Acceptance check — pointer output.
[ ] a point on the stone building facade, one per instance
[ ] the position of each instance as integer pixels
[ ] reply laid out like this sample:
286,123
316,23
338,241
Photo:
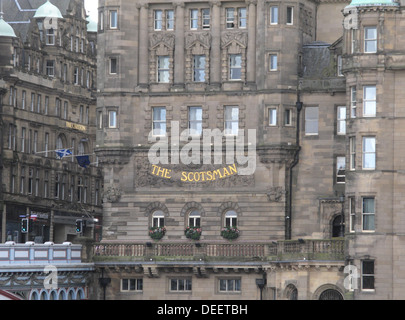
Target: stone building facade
48,75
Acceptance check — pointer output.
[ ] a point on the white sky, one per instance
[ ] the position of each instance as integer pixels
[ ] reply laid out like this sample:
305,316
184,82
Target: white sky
91,7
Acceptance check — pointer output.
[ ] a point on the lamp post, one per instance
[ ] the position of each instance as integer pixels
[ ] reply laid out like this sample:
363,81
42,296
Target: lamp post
342,217
261,283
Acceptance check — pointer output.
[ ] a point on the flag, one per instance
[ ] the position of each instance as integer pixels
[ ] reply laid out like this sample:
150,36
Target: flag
63,153
83,161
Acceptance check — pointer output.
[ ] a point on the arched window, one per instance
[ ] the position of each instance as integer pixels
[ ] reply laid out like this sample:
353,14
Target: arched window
338,229
231,219
194,219
53,295
330,294
158,219
291,292
59,142
34,296
81,149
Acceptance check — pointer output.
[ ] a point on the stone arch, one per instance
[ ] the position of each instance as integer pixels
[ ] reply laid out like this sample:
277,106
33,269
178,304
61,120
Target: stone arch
192,205
153,207
291,292
333,290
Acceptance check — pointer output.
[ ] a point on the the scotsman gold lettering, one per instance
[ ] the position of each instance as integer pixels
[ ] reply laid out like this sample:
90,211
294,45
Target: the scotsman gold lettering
202,176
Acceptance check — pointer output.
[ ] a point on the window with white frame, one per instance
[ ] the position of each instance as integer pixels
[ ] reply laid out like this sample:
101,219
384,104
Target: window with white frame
369,153
158,20
235,67
369,101
195,121
230,285
163,69
339,66
311,120
113,65
231,219
230,18
273,116
353,102
180,285
242,18
131,285
194,219
159,121
368,214
273,62
340,169
169,20
112,119
206,18
341,120
274,15
23,100
352,213
290,15
50,37
50,68
352,150
194,19
76,75
370,39
158,219
113,19
231,125
199,68
367,275
287,117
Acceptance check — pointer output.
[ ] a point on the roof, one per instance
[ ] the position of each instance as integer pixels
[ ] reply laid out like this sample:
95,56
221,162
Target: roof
48,10
92,25
5,29
356,3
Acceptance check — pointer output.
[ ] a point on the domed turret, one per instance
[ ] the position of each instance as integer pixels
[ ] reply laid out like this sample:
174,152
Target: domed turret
5,29
357,3
92,25
48,10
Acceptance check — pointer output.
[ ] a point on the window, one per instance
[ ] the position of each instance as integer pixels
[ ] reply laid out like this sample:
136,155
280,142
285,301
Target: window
76,75
22,180
273,116
99,119
206,18
158,219
352,212
287,117
339,66
32,102
23,100
65,110
199,68
242,20
235,67
369,101
113,19
23,134
159,121
101,20
50,37
367,275
290,15
370,39
273,15
231,120
113,65
352,147
230,17
158,20
46,144
369,155
57,107
35,143
193,19
311,120
195,120
12,136
368,214
131,285
50,68
46,105
231,219
194,219
353,102
180,285
163,72
112,119
273,62
169,20
39,103
46,184
57,186
341,120
229,285
340,169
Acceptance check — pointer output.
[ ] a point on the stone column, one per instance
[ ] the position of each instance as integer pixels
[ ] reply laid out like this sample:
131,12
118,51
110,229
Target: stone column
3,224
179,46
143,46
215,60
251,50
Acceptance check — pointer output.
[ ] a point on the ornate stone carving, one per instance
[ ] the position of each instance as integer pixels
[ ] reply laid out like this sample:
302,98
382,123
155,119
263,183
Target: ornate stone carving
275,194
167,39
203,38
239,37
113,194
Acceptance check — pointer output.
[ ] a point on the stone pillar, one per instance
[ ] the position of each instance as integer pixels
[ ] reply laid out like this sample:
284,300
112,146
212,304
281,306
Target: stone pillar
143,46
3,224
179,46
251,50
215,59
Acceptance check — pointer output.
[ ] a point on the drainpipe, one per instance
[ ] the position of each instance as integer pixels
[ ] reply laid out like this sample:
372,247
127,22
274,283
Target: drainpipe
288,217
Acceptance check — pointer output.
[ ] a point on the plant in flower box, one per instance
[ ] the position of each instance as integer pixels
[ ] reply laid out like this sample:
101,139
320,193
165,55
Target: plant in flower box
157,233
193,233
230,233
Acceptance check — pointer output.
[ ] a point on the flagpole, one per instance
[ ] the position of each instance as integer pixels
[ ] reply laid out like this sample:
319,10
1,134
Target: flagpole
51,151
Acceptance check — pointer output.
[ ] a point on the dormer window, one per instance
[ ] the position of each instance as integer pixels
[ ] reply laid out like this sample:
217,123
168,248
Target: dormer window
50,37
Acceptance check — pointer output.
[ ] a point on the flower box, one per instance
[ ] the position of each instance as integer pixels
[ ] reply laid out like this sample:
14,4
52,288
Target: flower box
230,233
193,233
157,233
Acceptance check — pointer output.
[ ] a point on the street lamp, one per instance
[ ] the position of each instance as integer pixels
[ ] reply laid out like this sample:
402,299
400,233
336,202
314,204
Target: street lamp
342,217
261,283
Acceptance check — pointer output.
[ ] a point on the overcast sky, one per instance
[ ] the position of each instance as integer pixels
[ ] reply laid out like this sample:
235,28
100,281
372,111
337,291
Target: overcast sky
91,7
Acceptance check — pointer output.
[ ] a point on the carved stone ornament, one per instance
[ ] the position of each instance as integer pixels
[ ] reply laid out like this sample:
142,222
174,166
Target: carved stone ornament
113,194
204,38
165,38
238,37
275,194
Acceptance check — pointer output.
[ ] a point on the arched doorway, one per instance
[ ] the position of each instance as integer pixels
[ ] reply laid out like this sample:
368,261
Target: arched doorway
338,228
291,292
330,294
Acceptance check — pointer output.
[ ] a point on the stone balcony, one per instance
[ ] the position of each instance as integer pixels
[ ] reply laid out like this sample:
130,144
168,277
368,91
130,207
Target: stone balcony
293,250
